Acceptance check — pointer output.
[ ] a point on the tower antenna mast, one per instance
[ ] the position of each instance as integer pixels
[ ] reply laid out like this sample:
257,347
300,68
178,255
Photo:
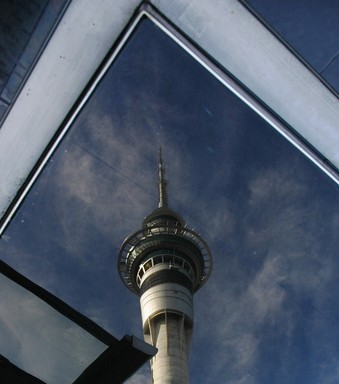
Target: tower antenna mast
162,183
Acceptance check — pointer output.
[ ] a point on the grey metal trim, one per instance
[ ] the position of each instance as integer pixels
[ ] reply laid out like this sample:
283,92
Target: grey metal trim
247,96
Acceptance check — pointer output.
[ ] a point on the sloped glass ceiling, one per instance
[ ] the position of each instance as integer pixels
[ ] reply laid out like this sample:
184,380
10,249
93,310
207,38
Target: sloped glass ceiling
269,313
40,340
310,27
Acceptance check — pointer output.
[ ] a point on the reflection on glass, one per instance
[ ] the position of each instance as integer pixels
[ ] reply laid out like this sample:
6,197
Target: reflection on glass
40,340
268,314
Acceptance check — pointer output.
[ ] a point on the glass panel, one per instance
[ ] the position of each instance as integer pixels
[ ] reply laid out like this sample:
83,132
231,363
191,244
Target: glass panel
268,214
40,340
157,260
167,259
186,266
148,265
177,261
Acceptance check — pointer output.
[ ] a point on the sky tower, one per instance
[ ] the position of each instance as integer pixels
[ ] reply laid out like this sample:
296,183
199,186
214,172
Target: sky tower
165,263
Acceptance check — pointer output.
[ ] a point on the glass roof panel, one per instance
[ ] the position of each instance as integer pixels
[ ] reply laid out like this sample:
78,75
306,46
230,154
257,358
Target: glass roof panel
41,341
257,201
310,27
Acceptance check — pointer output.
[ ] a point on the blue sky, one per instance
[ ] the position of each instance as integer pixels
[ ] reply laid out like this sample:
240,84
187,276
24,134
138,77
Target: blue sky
269,311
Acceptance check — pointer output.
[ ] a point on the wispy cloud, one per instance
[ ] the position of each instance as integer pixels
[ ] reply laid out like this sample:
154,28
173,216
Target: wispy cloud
259,294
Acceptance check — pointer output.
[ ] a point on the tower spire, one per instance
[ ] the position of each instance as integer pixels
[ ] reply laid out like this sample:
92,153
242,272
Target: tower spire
162,183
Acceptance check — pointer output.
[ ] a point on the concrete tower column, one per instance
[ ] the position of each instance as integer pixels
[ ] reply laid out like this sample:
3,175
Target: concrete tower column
167,318
170,365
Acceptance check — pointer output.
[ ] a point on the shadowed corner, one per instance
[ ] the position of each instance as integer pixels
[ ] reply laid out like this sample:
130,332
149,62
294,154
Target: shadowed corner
118,362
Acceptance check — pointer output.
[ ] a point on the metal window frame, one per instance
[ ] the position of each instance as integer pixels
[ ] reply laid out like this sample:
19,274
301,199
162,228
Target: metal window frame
22,159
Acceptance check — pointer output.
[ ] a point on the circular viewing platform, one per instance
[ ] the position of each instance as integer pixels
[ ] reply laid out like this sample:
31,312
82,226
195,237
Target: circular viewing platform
185,245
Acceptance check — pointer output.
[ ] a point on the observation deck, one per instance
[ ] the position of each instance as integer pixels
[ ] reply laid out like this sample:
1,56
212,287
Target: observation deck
164,240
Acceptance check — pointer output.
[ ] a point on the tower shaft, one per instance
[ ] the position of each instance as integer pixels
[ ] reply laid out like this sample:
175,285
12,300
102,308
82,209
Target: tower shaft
169,336
167,316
